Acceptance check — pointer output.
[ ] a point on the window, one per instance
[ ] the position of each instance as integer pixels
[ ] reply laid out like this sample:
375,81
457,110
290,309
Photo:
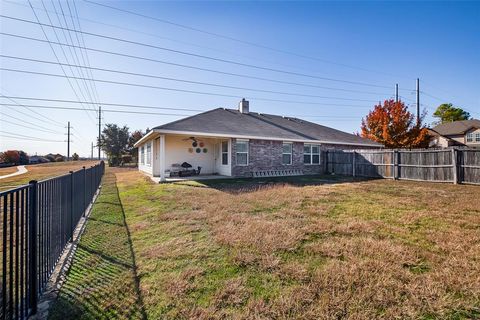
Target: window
242,152
224,152
477,137
149,154
287,153
470,137
311,154
142,155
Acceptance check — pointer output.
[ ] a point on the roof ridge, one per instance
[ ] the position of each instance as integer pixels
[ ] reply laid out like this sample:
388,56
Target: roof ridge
186,118
282,127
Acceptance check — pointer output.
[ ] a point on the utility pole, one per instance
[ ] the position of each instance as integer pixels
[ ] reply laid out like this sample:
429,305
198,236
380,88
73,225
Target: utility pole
99,128
68,141
396,92
91,154
418,101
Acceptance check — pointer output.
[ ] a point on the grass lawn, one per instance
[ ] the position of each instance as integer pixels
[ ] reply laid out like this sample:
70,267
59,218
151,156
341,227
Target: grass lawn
40,172
7,170
257,249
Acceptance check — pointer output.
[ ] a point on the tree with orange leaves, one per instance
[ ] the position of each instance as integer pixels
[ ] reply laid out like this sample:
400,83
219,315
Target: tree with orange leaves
392,125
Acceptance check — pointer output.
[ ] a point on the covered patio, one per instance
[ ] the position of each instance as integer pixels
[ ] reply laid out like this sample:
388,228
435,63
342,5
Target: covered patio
165,157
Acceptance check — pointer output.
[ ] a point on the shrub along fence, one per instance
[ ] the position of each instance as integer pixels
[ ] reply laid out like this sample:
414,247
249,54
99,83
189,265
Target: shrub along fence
434,165
36,222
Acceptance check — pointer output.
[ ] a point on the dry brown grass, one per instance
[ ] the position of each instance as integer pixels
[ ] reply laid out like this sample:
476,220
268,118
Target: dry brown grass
364,250
43,171
7,170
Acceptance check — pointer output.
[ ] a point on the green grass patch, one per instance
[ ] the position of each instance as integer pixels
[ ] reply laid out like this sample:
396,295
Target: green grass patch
102,281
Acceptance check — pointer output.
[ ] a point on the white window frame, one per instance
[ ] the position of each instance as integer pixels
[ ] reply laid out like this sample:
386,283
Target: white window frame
469,137
287,153
242,152
222,153
311,154
142,154
477,137
149,154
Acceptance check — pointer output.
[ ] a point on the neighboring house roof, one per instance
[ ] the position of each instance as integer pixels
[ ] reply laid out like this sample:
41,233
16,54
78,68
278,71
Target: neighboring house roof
233,123
456,127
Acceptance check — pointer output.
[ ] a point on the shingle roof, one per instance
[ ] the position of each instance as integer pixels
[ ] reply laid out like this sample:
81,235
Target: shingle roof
456,127
232,122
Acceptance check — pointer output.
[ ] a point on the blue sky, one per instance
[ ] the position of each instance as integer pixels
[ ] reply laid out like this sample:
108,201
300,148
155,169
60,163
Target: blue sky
375,43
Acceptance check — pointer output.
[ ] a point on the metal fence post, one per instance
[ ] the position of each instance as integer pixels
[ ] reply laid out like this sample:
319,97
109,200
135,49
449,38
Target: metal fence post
84,190
71,205
92,183
454,166
32,245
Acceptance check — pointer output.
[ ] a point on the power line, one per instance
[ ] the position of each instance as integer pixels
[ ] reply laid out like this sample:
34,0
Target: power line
31,139
236,53
22,125
183,80
20,136
170,114
85,60
40,128
239,40
200,55
55,54
176,89
79,71
107,104
84,50
53,122
444,101
195,67
103,110
90,94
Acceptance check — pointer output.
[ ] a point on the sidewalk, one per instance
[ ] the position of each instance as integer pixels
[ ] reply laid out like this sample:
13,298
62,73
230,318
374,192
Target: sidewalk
20,170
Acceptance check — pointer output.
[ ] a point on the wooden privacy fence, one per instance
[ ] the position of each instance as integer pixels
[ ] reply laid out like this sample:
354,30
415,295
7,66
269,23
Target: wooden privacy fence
435,165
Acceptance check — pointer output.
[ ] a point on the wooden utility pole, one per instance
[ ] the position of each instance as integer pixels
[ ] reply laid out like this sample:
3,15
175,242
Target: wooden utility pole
418,101
91,154
99,128
68,141
396,92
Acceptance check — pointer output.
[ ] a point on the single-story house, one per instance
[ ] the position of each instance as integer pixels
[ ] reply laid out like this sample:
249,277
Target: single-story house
240,143
456,133
37,159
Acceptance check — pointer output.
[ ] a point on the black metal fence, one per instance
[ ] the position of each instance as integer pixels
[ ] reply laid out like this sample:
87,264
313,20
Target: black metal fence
36,222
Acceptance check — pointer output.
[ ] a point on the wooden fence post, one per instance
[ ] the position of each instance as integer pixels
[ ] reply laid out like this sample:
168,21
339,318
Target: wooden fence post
395,165
354,155
454,166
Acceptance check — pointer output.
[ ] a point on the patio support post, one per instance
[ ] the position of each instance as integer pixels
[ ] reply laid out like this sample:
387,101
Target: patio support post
162,158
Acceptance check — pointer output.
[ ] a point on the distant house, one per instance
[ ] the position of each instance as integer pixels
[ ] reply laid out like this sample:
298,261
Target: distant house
456,133
241,143
37,159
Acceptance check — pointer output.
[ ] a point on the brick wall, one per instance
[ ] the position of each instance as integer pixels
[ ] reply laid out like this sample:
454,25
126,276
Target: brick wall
267,155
